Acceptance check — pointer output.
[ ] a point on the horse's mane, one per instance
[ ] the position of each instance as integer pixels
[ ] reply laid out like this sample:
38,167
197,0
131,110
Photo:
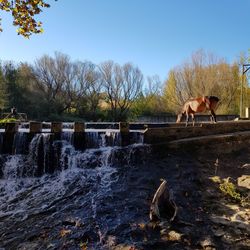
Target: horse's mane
213,98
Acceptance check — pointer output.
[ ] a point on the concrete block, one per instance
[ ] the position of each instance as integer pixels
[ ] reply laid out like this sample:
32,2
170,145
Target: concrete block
56,127
35,127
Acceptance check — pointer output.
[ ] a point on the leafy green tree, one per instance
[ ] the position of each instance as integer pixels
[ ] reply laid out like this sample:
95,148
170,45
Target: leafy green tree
150,101
3,91
171,95
14,91
23,13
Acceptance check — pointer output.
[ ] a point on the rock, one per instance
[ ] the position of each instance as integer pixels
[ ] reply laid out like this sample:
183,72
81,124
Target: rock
174,236
29,246
207,243
218,232
124,247
244,181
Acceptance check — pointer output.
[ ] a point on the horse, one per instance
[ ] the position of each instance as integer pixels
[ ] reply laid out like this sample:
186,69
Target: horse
200,104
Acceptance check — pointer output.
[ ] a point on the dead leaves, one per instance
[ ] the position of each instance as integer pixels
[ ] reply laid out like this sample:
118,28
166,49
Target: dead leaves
64,232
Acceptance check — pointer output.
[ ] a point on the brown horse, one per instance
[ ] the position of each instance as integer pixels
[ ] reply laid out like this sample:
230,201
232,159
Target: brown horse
196,105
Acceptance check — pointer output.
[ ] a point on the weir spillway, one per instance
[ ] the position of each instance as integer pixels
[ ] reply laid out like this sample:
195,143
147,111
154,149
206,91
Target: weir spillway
56,147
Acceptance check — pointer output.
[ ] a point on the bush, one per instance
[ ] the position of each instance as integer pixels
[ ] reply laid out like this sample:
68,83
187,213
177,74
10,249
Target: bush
8,120
229,189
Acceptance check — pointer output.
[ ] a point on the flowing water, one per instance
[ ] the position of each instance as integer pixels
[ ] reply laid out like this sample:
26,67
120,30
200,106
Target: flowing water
55,182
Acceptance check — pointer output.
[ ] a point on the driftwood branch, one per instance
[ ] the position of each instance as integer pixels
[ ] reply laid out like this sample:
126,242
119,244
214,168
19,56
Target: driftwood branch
163,206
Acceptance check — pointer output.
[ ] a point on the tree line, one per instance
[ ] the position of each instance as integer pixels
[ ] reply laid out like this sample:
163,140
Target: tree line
57,88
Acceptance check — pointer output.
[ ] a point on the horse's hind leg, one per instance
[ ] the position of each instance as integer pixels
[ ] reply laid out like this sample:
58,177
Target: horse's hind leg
193,120
213,116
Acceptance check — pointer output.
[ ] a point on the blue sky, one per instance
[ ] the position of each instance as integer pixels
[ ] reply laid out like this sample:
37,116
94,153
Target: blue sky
155,35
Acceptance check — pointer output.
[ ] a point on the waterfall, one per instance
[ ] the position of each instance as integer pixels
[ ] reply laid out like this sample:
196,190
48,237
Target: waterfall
55,181
92,139
67,135
1,141
20,143
97,139
37,158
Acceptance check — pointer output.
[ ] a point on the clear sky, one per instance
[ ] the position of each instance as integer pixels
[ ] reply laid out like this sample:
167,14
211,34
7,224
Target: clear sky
155,35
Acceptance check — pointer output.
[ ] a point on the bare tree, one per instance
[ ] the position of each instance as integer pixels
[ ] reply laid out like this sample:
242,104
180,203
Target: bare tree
122,85
55,77
204,74
89,86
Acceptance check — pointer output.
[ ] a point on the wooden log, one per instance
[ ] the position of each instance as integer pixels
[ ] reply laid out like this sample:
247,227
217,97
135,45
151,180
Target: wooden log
163,206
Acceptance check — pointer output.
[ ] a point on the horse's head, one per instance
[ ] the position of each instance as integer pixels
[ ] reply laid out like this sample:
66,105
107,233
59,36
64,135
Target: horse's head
214,100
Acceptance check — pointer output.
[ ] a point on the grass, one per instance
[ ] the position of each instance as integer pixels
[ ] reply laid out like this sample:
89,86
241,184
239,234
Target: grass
229,189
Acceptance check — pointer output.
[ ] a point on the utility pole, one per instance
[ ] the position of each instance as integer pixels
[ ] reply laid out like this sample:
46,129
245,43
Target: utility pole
245,68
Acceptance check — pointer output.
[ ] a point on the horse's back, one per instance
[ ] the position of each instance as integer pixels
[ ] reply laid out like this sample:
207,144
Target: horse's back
196,104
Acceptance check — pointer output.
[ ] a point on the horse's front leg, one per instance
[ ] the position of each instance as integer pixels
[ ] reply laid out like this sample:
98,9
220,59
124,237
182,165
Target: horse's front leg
187,119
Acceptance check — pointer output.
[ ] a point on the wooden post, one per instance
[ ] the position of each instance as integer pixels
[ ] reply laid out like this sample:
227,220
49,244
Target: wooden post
79,135
56,127
124,131
35,127
79,127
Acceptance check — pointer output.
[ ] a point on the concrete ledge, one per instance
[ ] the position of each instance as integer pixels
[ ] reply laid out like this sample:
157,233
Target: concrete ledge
211,144
161,135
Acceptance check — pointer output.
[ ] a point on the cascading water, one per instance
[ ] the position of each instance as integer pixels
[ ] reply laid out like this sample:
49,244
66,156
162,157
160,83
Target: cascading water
96,139
19,143
56,182
1,141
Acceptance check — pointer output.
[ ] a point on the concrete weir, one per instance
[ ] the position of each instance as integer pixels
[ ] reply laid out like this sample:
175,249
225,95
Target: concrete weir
220,137
12,132
84,135
14,136
175,132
